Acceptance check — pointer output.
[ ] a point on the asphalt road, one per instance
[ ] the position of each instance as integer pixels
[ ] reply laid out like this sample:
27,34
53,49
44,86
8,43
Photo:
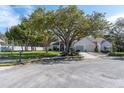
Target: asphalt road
97,73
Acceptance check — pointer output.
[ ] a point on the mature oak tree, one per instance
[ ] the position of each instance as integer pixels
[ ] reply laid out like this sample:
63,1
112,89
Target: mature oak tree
69,24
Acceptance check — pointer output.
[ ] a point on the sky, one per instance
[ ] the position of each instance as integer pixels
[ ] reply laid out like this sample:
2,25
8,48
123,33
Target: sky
11,15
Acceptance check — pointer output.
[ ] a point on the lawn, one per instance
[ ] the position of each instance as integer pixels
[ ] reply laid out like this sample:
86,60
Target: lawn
28,54
117,54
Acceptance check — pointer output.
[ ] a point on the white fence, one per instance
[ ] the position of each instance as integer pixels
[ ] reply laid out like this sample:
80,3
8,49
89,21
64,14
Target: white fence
18,48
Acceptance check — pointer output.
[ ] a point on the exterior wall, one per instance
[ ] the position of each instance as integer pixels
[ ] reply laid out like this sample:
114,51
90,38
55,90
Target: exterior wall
39,48
107,45
84,45
3,47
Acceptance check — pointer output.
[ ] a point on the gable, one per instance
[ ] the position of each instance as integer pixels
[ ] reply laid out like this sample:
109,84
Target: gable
84,41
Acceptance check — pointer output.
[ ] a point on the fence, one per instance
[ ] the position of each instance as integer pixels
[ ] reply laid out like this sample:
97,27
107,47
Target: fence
18,48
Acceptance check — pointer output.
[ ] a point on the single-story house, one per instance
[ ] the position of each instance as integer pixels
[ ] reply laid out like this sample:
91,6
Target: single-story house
86,44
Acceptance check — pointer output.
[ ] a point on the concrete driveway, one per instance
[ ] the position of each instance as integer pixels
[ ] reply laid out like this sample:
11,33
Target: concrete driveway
87,73
92,55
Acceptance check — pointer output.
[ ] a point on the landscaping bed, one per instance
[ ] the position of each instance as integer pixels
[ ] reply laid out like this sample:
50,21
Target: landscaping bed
63,58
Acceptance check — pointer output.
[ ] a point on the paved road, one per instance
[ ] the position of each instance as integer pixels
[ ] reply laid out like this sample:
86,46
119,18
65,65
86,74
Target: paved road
87,73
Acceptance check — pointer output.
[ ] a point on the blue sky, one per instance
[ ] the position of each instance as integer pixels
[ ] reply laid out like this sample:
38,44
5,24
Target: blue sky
10,15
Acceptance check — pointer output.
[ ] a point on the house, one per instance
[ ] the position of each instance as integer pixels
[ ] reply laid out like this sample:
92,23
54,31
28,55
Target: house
86,44
1,44
103,44
4,46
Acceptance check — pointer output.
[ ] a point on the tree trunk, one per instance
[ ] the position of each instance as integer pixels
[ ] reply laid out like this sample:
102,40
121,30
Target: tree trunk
46,47
26,47
32,48
35,48
22,47
12,46
96,47
67,48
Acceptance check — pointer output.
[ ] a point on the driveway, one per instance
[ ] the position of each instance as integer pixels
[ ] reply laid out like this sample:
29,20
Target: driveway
92,55
88,73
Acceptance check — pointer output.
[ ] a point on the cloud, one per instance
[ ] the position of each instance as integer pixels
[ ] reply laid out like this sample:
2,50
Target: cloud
115,17
28,8
8,17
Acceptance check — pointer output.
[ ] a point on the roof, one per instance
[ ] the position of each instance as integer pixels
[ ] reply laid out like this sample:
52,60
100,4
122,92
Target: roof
100,39
56,43
1,41
91,40
84,41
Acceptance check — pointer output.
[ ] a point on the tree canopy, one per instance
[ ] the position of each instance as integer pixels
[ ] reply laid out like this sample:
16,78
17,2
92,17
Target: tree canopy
116,35
67,23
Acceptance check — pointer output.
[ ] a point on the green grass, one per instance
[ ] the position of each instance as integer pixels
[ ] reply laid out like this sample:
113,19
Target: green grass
34,55
8,64
116,54
28,54
16,63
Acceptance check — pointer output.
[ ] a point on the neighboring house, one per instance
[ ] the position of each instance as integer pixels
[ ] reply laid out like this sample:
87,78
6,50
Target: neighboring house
86,44
2,45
